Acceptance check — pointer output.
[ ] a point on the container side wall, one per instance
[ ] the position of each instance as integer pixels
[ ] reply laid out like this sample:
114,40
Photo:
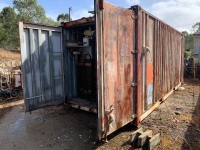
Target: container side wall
161,59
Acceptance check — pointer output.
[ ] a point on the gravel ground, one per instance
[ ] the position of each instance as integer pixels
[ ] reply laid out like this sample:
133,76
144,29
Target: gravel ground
177,120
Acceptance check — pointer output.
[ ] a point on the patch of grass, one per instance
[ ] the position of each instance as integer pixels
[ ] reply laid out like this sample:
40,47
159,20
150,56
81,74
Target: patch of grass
166,142
190,117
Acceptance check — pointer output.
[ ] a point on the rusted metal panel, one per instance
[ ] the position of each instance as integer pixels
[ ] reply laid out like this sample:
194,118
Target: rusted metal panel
117,66
101,4
41,53
164,71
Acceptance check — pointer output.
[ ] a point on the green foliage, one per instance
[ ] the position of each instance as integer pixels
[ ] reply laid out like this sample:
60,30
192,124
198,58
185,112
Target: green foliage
196,27
50,21
189,40
30,11
9,29
63,18
188,54
26,10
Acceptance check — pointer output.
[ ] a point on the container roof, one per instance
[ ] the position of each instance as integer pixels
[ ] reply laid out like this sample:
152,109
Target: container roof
196,34
81,21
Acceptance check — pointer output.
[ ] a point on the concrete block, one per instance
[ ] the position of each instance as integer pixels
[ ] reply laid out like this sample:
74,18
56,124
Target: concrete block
144,137
134,136
154,141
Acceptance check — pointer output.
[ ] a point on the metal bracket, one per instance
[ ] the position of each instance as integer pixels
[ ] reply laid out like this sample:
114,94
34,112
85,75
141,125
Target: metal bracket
134,51
146,50
101,4
134,84
134,116
135,17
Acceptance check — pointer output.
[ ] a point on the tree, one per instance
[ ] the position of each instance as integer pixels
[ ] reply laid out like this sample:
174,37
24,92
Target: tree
30,11
63,18
189,40
196,27
50,21
9,29
27,10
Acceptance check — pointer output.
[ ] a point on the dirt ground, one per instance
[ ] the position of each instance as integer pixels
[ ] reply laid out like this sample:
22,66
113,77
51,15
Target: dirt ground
177,120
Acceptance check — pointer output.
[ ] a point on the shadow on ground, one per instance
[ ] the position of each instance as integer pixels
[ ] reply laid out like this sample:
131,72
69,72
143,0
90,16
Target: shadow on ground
4,111
192,135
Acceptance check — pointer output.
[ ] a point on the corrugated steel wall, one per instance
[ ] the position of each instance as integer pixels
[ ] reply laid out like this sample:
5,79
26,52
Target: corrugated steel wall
168,59
163,47
118,67
41,54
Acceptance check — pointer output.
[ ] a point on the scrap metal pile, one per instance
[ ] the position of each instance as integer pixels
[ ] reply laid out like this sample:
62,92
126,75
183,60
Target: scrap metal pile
192,69
10,78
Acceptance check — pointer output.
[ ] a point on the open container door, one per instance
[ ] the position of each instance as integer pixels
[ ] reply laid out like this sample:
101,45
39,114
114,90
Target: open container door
42,65
115,45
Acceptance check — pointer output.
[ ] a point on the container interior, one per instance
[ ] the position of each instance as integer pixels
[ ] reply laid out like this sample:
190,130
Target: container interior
80,64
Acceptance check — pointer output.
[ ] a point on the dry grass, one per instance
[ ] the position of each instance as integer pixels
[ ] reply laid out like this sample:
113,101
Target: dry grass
166,142
8,55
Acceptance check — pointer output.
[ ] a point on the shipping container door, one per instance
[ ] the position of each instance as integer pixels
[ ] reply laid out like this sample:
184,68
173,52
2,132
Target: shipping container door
115,41
41,55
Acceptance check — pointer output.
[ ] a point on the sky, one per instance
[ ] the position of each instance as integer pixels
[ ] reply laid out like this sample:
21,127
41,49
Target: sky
180,14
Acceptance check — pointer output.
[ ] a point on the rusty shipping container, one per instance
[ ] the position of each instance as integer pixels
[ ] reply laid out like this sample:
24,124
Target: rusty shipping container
118,64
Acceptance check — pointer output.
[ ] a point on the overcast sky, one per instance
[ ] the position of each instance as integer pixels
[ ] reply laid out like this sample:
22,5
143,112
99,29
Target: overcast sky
181,14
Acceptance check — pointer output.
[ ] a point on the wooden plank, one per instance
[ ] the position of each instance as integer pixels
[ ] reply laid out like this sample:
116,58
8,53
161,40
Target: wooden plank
148,112
85,108
171,92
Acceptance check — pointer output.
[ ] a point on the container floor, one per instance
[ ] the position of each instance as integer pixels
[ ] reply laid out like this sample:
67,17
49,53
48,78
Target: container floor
83,102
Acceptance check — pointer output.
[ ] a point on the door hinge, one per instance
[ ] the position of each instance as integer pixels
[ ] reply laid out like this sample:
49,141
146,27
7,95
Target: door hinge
134,51
134,84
